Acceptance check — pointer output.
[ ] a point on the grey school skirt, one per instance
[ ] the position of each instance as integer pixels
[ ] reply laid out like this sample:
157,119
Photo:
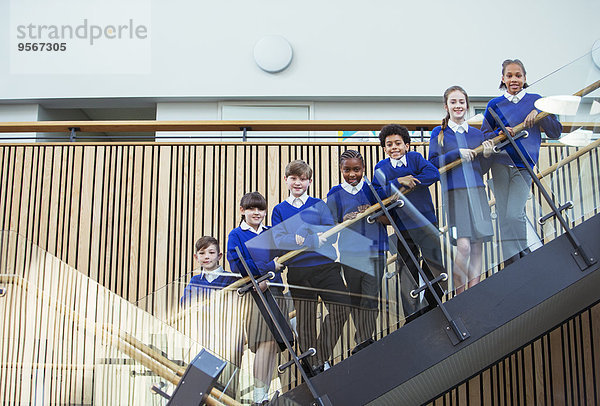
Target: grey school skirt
469,215
258,330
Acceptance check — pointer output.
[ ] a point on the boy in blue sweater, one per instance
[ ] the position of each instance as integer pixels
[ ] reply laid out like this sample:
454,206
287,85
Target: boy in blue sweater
402,170
298,222
216,315
211,276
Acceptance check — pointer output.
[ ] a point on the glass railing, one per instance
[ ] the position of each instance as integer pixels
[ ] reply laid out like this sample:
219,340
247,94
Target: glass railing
66,339
349,276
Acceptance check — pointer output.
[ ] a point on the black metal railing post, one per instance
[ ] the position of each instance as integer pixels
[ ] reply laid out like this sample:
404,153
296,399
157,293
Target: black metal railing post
455,325
580,252
320,400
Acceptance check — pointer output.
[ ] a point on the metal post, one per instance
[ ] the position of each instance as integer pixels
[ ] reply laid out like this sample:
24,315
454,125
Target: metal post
245,133
456,325
320,400
579,250
73,134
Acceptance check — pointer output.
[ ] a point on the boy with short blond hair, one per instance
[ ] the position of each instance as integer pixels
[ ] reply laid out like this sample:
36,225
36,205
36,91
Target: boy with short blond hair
298,222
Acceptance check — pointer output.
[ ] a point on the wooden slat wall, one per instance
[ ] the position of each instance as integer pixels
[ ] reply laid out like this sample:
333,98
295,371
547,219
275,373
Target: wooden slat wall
560,368
128,215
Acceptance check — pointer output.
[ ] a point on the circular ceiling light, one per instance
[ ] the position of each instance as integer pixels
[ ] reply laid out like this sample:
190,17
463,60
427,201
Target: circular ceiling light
273,53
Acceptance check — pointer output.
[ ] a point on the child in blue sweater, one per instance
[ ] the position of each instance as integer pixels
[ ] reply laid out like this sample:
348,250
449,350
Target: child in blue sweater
211,276
298,222
261,333
215,314
405,169
362,246
464,194
512,182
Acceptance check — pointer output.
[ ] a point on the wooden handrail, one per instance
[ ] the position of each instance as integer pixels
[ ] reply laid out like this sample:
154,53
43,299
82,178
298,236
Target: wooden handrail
132,126
125,343
210,125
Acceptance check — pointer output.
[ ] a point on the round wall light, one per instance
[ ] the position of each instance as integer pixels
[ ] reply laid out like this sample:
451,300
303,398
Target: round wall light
273,53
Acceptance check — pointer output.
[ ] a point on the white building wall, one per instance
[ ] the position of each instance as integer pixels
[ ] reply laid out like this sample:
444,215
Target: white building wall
342,49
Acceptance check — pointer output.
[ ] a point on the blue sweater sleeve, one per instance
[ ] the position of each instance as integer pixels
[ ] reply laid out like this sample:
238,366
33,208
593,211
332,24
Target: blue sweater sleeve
489,128
320,216
380,182
332,203
257,265
552,127
426,172
437,156
282,239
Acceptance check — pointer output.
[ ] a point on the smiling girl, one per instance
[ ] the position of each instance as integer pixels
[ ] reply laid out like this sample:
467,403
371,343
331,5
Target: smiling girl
463,188
261,341
512,182
362,246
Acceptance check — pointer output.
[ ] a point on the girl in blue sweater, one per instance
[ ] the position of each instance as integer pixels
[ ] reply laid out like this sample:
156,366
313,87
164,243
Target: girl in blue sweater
512,182
362,246
257,255
463,188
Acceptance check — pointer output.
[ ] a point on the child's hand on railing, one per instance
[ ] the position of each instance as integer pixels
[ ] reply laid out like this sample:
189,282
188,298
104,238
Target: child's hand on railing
408,181
467,154
278,266
488,148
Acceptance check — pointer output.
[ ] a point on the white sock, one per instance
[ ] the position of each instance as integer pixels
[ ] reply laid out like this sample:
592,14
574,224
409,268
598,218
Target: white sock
260,393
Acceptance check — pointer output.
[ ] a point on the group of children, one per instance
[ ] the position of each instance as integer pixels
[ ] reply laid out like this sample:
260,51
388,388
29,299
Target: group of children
347,276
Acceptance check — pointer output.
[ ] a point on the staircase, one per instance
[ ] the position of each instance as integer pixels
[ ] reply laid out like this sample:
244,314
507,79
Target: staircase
504,312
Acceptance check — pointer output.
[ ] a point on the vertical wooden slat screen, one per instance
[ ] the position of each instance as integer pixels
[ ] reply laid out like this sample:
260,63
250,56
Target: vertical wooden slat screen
128,215
559,368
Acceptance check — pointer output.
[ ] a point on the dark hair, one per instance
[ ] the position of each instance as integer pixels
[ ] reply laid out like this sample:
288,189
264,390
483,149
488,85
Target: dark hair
351,154
298,168
205,242
510,62
445,120
394,129
253,200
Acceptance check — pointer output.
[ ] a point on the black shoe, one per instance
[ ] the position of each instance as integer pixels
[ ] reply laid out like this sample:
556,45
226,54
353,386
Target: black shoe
362,345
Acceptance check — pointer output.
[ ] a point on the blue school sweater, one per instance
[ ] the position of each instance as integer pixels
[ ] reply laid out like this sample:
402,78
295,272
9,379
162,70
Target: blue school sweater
311,218
466,175
385,176
258,253
352,239
513,114
200,287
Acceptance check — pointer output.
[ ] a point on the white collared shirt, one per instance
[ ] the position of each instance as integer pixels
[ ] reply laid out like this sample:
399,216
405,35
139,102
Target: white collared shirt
245,226
401,161
515,98
353,189
457,127
297,202
212,275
